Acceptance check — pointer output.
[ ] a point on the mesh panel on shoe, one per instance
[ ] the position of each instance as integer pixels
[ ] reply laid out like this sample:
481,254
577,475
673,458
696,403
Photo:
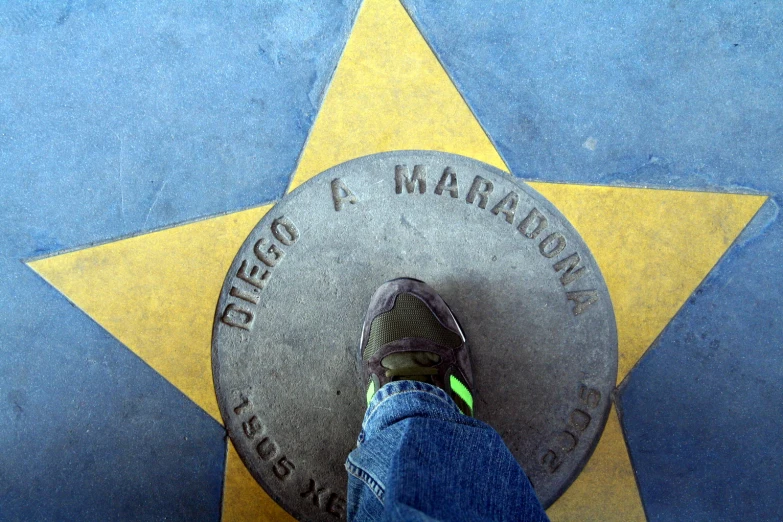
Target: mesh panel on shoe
409,317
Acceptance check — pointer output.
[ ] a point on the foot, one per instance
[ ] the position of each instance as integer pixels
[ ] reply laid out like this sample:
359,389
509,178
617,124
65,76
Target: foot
409,333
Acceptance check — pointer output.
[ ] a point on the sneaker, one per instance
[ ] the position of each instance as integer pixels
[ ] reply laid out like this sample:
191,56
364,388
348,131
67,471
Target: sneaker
410,333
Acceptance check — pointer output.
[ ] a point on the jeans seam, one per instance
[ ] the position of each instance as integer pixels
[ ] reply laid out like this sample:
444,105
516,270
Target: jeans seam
375,486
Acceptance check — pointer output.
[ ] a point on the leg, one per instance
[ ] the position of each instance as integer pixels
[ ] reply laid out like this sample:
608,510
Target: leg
419,457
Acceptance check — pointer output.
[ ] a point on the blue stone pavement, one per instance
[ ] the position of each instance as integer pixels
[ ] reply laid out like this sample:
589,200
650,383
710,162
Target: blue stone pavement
122,117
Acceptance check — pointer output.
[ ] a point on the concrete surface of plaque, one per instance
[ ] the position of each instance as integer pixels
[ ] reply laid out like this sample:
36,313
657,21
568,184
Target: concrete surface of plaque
533,304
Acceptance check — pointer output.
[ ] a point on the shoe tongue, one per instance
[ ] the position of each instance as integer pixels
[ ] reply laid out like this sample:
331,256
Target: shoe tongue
399,360
405,362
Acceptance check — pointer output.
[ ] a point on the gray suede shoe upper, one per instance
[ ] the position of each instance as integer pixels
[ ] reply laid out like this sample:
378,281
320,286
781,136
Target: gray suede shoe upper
410,333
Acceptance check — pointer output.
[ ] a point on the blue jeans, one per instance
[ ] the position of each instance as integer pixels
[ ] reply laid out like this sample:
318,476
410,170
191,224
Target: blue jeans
419,458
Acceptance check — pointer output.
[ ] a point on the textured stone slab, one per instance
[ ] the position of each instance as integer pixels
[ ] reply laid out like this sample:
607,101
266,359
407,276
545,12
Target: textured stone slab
525,287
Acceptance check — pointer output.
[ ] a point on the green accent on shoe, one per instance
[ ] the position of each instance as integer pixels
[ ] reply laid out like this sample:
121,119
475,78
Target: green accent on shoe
409,317
370,392
462,391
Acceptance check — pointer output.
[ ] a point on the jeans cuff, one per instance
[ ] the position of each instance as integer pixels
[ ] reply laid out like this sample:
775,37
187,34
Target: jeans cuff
398,387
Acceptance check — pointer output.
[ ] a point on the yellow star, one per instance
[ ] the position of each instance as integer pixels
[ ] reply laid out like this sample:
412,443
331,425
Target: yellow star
156,292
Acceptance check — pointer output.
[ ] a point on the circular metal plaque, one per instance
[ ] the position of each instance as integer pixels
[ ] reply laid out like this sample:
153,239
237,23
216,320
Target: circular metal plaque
523,284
